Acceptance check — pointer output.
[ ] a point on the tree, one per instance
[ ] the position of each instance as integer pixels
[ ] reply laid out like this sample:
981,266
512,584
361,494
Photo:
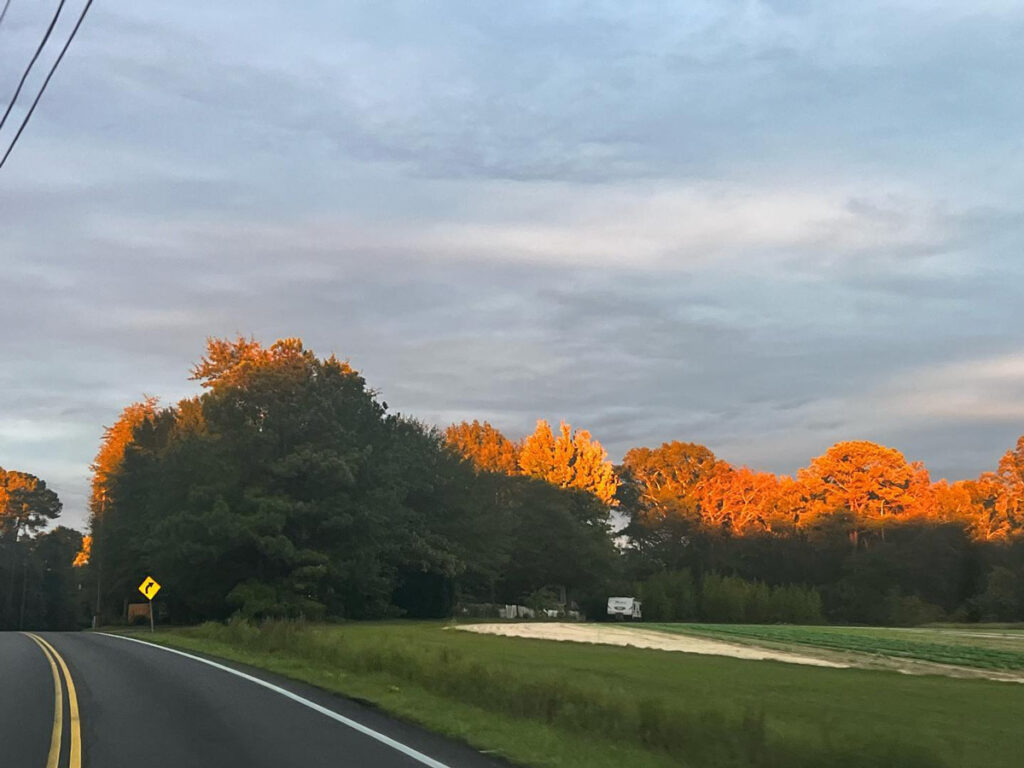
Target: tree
485,446
573,459
228,362
559,539
871,484
26,504
988,517
991,507
1011,480
952,502
286,489
115,441
52,596
1003,597
739,501
669,479
537,455
84,553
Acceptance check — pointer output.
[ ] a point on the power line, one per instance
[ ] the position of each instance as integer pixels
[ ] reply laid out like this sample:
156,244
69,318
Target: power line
24,75
46,82
4,11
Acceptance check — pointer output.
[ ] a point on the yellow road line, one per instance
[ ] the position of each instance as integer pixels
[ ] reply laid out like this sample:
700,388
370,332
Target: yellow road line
58,707
75,756
75,752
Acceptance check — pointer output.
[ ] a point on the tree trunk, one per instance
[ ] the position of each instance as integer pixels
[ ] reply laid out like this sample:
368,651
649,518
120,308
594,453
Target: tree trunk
9,603
24,592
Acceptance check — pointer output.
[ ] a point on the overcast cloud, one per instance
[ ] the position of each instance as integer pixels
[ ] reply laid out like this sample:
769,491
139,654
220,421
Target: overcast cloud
764,226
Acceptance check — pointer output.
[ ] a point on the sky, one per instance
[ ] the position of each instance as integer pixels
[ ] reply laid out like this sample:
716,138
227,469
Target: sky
761,226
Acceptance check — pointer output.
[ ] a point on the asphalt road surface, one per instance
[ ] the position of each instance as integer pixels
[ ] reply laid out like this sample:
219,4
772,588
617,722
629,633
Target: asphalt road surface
130,704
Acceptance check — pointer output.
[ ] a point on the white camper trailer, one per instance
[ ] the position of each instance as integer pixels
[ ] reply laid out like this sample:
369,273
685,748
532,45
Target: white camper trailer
624,608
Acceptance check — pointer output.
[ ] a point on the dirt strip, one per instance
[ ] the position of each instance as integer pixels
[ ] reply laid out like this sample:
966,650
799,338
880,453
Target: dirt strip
636,637
639,638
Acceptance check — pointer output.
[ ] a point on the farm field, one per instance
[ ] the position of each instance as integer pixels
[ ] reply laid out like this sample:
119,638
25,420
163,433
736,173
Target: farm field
998,650
562,704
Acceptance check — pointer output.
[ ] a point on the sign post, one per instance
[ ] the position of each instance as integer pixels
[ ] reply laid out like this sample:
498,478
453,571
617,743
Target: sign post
149,588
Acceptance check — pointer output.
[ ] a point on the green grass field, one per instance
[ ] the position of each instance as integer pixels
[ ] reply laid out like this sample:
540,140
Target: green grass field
980,648
568,705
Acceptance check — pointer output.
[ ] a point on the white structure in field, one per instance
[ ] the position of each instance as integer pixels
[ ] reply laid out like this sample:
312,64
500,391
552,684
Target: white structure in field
516,612
624,608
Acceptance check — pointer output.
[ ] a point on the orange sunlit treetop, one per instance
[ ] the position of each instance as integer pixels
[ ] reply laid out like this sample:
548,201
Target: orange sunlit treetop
570,459
860,484
82,557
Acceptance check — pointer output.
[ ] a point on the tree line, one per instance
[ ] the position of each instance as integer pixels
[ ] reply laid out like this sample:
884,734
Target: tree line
288,488
875,538
40,581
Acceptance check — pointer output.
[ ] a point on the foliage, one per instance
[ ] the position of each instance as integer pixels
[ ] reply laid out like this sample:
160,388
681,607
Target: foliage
26,504
865,527
871,483
572,459
485,446
39,585
669,596
1003,596
116,439
668,479
287,490
732,599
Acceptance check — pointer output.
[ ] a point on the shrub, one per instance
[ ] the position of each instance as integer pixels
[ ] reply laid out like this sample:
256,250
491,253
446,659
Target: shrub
731,600
910,610
723,599
1001,600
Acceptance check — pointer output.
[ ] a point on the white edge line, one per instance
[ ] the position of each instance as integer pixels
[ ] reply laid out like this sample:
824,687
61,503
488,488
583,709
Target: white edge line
356,726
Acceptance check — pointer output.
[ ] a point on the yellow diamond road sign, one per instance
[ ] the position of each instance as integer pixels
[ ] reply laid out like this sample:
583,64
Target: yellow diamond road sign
149,587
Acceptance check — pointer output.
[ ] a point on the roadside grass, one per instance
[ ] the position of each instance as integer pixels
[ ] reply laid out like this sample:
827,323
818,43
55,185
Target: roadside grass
569,705
1004,651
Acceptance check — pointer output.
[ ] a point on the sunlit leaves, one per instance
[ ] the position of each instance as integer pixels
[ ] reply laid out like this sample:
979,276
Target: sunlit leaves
26,504
485,446
571,459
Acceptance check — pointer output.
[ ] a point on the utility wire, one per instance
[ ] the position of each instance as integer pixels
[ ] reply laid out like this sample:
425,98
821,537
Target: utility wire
24,75
46,82
4,11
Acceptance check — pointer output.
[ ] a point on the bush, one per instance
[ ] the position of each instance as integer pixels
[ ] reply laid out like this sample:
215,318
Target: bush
792,604
1001,600
654,600
668,596
682,594
732,600
723,599
910,610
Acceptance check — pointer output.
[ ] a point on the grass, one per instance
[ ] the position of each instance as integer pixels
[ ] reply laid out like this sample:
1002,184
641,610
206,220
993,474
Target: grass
1002,650
566,705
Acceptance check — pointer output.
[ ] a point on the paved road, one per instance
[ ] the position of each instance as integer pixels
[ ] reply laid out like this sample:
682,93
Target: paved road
141,705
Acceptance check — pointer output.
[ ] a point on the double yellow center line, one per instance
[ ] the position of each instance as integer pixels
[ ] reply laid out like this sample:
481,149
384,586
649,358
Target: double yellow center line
74,726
